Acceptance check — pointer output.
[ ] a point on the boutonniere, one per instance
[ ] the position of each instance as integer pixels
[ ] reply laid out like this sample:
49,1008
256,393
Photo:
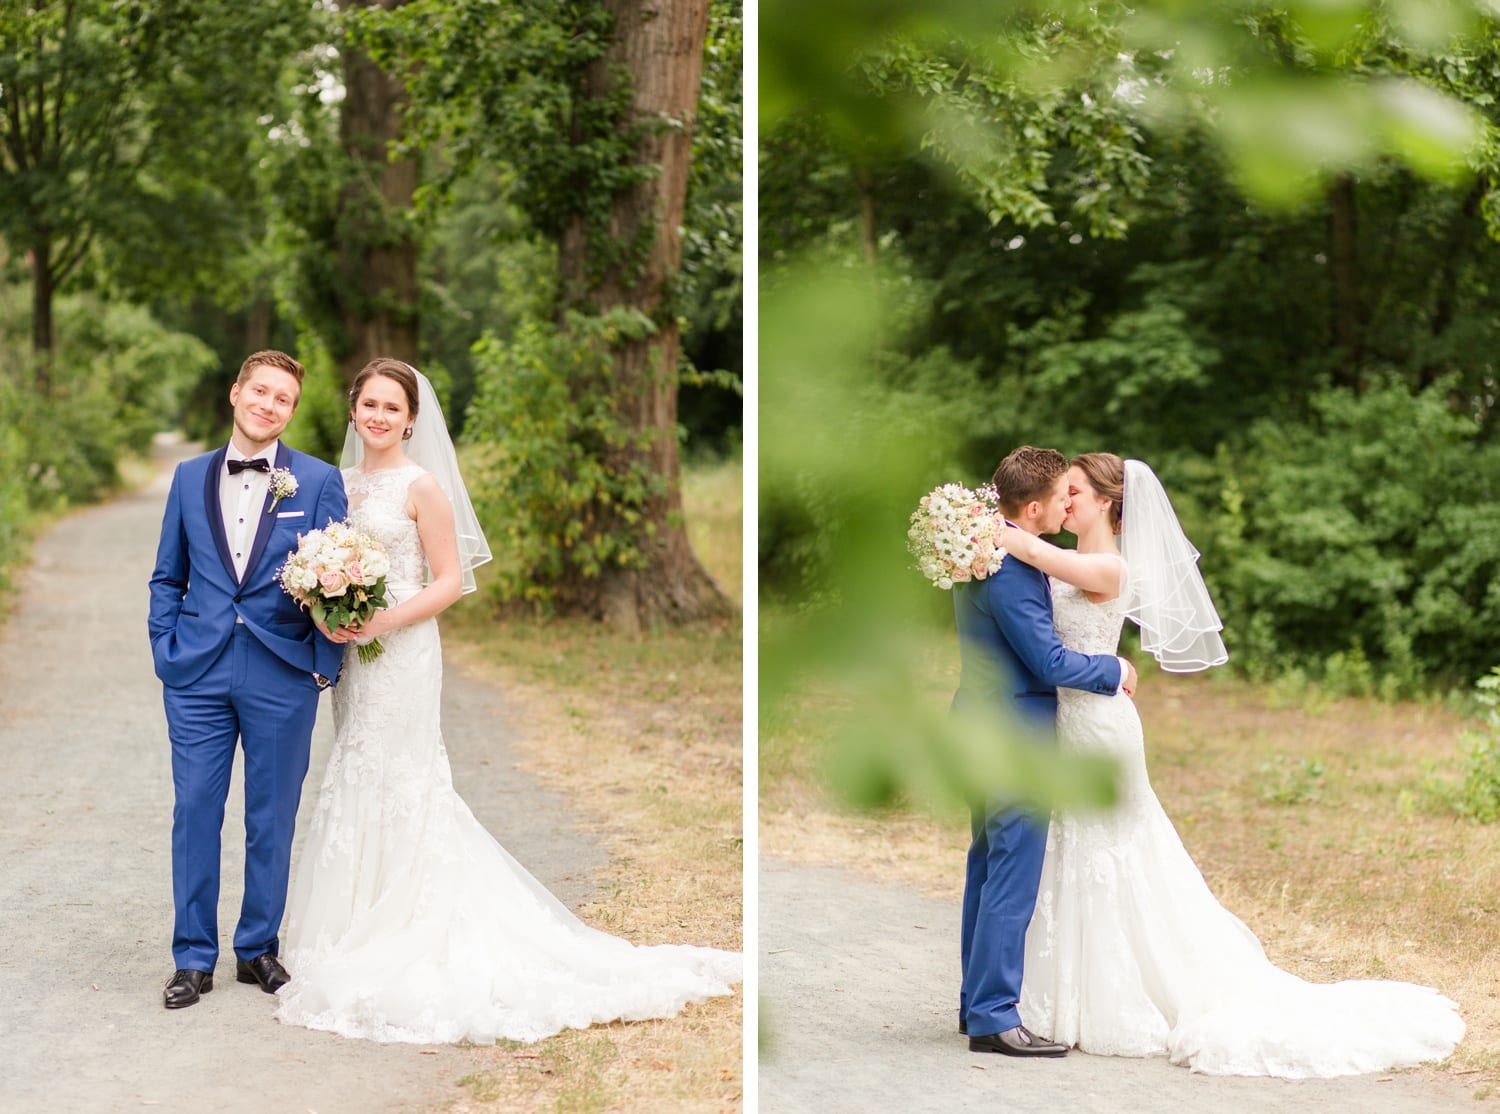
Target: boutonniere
283,485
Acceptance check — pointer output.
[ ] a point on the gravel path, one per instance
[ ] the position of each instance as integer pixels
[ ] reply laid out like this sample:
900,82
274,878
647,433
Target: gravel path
858,986
85,843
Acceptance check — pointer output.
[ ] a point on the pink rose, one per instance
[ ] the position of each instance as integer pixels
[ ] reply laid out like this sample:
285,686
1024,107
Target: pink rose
356,573
333,583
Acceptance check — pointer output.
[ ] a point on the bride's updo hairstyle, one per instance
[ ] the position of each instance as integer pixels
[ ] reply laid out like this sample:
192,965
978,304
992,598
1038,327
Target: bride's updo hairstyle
1106,474
391,369
1025,474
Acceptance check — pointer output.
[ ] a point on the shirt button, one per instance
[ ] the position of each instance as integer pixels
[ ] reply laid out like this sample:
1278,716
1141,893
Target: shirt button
247,487
237,556
242,521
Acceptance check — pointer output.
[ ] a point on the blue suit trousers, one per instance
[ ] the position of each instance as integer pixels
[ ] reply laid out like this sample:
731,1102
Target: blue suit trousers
1004,869
252,698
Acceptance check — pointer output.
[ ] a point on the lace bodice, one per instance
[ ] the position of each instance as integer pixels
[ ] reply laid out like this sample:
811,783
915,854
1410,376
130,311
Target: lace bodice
377,505
1089,628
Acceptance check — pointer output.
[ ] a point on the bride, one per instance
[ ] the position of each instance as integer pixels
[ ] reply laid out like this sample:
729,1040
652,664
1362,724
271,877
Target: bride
407,920
1128,952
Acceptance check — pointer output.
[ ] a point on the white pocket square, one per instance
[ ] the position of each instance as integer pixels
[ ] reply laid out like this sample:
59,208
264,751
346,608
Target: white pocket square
289,514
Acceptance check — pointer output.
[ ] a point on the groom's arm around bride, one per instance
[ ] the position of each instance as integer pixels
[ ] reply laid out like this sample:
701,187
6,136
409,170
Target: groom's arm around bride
1012,660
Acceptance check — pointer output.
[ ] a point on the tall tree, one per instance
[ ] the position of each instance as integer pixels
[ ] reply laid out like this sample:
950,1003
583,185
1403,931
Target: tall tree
592,106
127,128
656,52
376,247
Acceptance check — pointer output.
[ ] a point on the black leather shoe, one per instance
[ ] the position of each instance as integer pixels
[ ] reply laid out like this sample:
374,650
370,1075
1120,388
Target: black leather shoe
963,1026
186,987
1019,1041
265,969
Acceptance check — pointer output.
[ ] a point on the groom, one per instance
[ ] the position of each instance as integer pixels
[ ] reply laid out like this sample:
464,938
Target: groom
1011,656
239,661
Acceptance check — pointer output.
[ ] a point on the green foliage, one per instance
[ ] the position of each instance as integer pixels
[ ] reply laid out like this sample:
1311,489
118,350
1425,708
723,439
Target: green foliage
507,82
322,418
709,291
1348,548
1479,797
118,377
519,139
1309,398
486,270
563,481
139,132
1286,91
1244,243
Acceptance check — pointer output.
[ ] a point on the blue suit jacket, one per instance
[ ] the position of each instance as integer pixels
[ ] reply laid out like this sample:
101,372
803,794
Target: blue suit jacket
195,597
1009,651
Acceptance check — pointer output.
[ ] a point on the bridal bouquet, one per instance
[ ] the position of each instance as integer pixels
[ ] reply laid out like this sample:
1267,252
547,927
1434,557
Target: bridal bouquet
338,574
954,532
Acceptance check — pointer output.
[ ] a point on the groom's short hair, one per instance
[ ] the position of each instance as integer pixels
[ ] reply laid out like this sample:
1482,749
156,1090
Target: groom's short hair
1025,474
270,358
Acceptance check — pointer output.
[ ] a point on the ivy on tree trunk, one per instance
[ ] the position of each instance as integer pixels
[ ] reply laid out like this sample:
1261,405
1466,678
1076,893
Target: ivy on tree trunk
629,260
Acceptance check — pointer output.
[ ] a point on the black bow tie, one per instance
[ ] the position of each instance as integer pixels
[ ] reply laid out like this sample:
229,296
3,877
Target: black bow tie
259,464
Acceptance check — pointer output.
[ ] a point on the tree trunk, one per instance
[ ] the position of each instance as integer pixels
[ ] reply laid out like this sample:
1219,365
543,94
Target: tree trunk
659,43
1346,324
867,216
258,326
1461,233
377,249
43,331
870,234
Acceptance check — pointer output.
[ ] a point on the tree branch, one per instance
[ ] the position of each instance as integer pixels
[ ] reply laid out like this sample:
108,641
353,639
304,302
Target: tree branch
70,254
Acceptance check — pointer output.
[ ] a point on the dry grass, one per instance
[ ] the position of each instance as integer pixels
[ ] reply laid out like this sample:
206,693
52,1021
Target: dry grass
713,498
1311,818
644,738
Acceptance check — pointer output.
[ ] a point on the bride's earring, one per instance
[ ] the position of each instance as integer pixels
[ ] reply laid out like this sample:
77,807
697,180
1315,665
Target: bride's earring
406,433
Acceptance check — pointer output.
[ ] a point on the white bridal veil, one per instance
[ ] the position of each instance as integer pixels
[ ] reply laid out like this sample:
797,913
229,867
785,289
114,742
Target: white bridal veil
432,448
1166,596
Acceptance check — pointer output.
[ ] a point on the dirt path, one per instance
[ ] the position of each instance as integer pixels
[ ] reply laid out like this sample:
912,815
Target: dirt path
85,882
858,986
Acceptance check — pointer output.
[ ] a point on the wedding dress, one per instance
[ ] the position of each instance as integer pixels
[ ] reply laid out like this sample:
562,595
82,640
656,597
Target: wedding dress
407,920
1129,953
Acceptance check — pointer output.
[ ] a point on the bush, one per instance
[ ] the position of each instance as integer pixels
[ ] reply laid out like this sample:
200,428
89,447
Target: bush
116,379
1348,547
561,477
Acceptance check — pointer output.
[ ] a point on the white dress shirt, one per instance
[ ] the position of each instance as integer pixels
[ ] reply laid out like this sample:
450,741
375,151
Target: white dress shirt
242,501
